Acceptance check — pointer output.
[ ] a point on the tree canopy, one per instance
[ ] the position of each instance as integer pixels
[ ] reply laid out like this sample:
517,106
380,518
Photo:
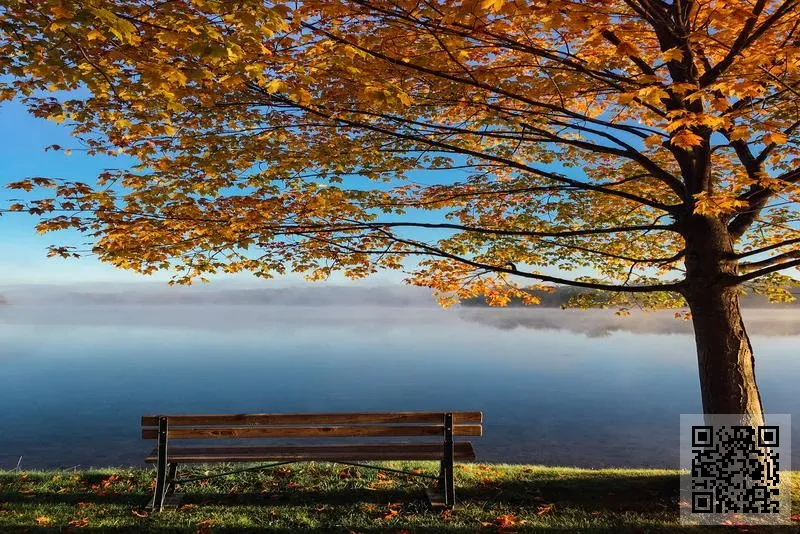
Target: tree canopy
484,146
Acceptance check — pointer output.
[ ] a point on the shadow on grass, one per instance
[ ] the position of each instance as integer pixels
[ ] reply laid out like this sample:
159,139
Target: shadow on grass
584,492
590,493
411,530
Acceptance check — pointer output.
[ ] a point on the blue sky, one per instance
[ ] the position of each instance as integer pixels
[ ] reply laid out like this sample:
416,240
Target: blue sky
23,252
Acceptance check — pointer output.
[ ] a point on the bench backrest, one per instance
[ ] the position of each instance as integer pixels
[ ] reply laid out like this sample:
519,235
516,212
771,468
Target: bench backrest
313,425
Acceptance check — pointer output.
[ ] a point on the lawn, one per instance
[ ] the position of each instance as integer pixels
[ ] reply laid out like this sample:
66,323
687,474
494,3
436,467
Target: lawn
329,498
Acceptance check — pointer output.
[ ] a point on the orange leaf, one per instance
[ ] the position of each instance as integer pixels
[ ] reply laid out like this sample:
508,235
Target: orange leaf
505,521
43,520
686,139
79,522
545,508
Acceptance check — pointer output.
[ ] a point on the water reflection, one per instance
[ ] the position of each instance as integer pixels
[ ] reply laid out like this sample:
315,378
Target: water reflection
556,387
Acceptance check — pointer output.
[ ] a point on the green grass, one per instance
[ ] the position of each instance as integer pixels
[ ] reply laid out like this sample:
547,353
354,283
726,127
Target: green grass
329,498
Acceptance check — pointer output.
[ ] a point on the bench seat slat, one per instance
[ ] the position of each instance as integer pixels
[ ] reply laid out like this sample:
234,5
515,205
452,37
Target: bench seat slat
380,451
311,431
373,418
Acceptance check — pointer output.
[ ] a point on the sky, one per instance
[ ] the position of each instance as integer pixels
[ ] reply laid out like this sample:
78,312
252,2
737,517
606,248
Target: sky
23,252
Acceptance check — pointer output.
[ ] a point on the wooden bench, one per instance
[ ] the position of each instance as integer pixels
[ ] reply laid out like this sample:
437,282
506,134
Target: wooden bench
436,432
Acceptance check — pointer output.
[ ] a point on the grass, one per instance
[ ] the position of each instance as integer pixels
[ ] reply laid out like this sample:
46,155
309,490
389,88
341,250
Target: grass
329,498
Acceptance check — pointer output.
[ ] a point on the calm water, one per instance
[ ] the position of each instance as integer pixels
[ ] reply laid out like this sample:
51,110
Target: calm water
580,388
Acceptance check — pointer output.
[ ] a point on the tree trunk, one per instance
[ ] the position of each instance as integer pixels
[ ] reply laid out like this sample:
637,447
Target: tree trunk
724,353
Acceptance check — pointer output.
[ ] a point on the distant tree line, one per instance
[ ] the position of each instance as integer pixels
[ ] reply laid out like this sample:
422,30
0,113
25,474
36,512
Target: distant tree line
562,297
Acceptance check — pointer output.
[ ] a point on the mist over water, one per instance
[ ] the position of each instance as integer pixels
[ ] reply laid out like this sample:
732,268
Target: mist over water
556,387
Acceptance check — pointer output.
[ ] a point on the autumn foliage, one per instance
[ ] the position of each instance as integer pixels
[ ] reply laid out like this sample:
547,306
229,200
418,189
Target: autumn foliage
647,147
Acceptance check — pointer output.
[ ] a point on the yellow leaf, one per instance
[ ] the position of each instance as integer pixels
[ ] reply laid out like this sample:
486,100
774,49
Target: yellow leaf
686,139
234,51
740,133
124,30
276,86
94,34
653,141
492,5
404,98
625,98
170,130
673,54
719,204
778,138
302,96
43,520
627,49
653,95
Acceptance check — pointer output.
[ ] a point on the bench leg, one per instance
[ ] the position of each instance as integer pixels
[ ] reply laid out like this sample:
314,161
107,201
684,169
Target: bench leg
161,467
448,459
446,484
171,475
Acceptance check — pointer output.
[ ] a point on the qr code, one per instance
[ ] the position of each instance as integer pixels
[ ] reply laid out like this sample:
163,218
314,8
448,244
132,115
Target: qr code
734,470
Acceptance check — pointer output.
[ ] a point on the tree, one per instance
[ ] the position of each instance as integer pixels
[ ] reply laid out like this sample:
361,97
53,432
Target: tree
647,147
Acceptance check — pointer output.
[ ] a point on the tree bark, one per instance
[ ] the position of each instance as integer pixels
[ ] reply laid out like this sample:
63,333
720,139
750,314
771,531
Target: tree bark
724,353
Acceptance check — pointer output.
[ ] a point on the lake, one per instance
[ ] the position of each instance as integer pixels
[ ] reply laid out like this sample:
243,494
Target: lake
556,387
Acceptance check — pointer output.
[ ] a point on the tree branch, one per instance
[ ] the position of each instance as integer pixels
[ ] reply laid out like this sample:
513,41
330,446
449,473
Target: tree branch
766,248
749,267
768,270
674,286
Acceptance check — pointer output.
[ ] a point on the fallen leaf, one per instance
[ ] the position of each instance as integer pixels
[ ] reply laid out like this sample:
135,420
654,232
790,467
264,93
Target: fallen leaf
545,508
79,522
382,476
506,521
137,513
281,472
347,473
43,520
110,480
204,527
